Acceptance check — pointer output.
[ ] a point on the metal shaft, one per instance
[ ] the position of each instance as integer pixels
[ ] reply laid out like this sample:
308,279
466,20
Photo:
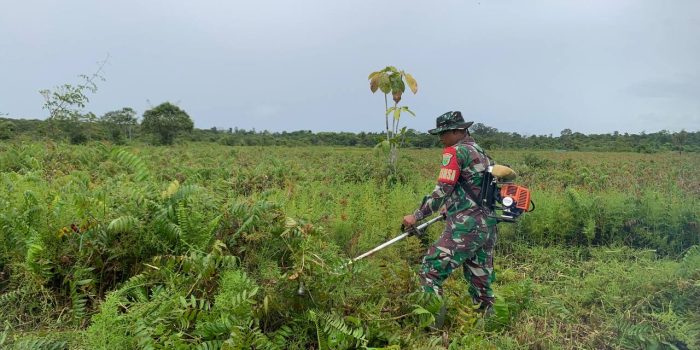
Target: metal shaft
396,239
382,246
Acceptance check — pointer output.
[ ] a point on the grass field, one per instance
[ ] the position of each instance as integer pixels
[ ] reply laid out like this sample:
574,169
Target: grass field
207,246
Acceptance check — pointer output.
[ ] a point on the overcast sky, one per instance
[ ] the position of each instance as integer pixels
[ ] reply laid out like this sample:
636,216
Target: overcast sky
533,67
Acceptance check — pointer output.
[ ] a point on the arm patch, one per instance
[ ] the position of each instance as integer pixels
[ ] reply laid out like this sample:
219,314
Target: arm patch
449,171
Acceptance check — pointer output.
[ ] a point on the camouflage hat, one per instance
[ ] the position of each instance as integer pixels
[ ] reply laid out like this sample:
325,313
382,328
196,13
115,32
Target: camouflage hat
449,121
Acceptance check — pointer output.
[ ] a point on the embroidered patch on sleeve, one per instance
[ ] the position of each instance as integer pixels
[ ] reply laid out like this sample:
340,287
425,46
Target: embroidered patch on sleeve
446,159
448,175
449,172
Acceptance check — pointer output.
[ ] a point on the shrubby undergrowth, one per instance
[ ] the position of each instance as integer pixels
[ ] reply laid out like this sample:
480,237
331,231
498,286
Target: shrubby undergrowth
234,248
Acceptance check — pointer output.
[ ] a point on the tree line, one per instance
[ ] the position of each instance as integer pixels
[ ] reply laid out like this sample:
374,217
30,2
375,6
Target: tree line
168,123
162,124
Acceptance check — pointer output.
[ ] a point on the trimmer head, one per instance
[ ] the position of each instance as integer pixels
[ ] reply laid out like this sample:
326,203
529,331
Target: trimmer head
302,289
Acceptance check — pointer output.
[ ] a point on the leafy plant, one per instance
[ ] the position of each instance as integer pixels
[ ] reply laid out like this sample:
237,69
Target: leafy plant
390,80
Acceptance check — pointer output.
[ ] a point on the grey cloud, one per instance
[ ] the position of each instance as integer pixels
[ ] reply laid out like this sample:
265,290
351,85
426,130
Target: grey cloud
666,88
528,67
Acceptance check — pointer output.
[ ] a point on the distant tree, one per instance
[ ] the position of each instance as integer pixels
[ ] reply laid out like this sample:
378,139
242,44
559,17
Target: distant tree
7,129
679,140
566,139
166,121
65,104
120,122
85,129
483,130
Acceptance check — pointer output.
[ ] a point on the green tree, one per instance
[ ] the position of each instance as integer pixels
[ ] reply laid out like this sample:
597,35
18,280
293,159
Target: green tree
120,123
483,130
7,129
166,121
65,104
679,140
566,137
391,81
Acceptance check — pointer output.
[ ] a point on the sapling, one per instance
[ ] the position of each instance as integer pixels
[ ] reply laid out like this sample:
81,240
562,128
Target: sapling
390,80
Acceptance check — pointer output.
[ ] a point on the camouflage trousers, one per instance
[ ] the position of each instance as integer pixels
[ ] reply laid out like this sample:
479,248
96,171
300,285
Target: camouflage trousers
468,241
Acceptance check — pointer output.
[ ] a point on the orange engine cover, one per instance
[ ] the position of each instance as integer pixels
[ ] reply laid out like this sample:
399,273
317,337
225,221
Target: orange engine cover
520,195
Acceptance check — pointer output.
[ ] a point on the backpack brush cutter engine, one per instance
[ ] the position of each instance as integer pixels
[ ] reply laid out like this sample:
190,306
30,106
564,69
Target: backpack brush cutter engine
499,194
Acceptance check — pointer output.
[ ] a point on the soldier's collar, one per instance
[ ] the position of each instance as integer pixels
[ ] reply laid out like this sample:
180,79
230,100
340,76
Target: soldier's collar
466,139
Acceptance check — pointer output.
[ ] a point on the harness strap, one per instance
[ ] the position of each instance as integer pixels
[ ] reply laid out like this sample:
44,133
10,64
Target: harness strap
467,188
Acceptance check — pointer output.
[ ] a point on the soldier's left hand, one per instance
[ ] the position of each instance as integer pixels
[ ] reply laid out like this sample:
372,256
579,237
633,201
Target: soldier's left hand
409,220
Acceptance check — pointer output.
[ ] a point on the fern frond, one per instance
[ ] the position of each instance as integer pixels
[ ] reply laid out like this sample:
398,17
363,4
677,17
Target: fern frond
184,192
140,294
40,344
3,335
227,261
426,317
278,339
142,333
123,224
133,162
210,345
78,307
172,230
36,262
213,225
182,216
636,336
134,282
216,328
9,296
337,331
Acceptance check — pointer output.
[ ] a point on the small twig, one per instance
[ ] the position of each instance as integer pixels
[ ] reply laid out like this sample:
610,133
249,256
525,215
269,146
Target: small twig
391,318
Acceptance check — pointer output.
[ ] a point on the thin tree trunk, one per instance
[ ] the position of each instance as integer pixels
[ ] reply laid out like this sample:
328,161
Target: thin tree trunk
393,155
386,117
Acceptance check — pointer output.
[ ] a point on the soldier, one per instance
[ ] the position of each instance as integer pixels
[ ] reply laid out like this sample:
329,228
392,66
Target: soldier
470,233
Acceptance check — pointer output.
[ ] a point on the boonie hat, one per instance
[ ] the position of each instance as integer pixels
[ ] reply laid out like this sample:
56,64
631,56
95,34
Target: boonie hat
449,121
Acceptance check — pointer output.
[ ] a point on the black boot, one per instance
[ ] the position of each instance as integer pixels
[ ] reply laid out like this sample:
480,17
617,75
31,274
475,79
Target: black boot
486,309
440,318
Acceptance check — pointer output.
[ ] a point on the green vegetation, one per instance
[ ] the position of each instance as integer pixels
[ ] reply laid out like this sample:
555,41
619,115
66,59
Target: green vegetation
65,104
166,120
7,129
203,245
120,124
491,138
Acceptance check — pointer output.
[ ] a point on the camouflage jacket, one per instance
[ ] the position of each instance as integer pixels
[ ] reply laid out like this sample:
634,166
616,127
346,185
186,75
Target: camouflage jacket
461,171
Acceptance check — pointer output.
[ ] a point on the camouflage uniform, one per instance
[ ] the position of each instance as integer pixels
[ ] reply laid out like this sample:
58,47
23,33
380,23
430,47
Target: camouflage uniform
470,234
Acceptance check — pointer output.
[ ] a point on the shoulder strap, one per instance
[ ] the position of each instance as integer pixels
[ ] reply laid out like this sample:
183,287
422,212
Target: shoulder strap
478,200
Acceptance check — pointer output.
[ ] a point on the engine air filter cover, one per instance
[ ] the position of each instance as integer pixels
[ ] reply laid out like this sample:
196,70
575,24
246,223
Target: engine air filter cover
519,194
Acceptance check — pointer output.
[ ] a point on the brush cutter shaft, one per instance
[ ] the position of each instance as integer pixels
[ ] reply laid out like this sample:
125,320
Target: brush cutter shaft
399,237
382,246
